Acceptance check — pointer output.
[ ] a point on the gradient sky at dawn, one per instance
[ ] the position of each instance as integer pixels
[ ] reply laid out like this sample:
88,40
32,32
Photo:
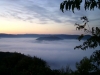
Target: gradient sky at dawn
41,17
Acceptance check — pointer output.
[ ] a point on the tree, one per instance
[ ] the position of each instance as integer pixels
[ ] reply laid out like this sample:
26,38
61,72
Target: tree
66,71
94,40
93,64
72,4
91,42
95,59
20,64
84,67
89,65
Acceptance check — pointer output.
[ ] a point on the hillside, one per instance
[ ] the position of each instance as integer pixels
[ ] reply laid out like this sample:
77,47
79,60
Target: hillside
20,64
62,36
49,38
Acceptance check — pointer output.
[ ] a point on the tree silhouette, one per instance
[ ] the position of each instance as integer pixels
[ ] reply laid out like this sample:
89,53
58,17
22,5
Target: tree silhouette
86,65
95,59
89,66
94,40
75,4
20,64
91,42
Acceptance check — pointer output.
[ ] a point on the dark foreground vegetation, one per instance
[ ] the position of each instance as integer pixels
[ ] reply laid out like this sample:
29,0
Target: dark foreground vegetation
20,64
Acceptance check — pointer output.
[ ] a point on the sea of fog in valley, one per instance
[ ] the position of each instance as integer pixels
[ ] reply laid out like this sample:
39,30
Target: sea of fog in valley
57,54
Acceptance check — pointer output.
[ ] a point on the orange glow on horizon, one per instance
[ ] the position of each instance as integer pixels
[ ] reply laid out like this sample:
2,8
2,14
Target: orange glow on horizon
13,26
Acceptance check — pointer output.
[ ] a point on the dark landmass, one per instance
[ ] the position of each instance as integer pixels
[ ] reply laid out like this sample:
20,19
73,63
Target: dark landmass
20,64
62,36
49,38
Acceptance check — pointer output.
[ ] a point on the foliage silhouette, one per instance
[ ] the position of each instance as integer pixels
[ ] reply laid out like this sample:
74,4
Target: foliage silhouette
89,65
94,40
84,67
95,59
19,64
76,4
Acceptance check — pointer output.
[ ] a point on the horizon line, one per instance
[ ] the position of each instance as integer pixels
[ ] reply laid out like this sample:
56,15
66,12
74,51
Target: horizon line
37,34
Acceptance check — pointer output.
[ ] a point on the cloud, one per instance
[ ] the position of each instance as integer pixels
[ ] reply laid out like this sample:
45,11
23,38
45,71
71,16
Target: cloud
30,10
44,11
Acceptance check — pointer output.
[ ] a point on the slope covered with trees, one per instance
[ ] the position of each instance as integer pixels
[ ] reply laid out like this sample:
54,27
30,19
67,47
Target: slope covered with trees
20,64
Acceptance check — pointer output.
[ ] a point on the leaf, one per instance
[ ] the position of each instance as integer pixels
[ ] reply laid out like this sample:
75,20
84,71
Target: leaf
92,30
80,37
73,6
70,5
66,6
62,7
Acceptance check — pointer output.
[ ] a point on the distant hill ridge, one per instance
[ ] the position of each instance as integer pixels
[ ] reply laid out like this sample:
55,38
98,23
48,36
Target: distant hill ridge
49,38
63,36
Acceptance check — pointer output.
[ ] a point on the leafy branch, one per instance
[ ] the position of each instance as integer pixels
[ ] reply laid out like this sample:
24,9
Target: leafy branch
75,4
94,40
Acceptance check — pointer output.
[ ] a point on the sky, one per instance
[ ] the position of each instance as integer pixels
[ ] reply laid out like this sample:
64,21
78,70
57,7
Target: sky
41,17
